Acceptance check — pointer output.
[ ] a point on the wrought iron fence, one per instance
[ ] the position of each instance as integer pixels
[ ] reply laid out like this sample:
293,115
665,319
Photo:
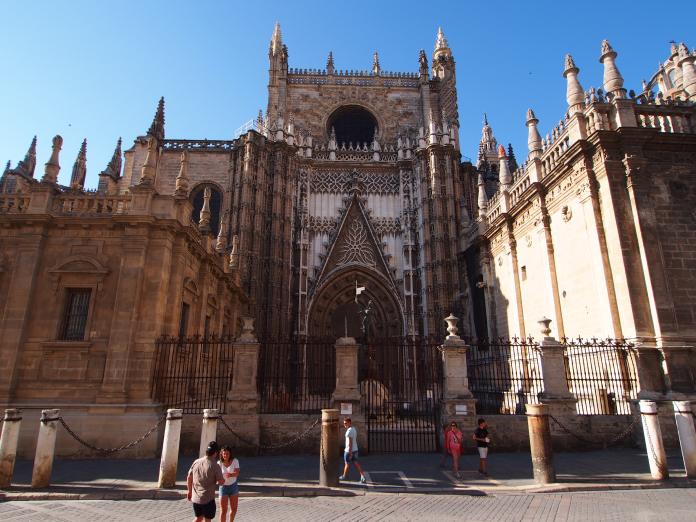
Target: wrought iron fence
504,375
193,373
296,376
602,374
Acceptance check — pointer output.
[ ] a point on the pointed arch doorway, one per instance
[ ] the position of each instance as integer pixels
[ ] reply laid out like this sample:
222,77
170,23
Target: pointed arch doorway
333,311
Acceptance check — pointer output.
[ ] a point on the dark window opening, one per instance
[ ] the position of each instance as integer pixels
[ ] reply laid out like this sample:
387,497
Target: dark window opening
353,124
215,203
75,314
183,322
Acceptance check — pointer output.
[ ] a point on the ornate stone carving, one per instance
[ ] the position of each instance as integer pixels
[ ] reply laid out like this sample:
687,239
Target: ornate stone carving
356,247
333,182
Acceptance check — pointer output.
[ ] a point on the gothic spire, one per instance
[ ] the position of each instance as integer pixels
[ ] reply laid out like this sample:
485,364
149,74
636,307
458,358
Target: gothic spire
488,141
276,40
441,41
533,136
27,166
330,64
156,130
7,168
575,96
512,160
113,169
79,170
182,181
423,64
375,64
52,167
613,81
504,176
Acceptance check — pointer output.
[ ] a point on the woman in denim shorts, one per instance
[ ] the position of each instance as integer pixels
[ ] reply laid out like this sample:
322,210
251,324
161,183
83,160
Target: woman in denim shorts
229,491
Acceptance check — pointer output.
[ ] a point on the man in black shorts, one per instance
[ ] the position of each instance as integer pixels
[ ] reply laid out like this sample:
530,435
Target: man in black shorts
202,481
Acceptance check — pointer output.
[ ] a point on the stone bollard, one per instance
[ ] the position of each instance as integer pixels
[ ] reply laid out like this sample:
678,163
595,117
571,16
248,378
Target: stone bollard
170,449
653,440
208,429
687,435
8,445
45,449
328,452
540,443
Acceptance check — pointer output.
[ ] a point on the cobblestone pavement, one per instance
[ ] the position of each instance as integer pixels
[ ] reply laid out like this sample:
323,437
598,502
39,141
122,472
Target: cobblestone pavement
644,505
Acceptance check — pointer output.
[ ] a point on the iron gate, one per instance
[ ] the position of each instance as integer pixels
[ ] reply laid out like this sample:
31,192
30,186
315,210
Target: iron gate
401,389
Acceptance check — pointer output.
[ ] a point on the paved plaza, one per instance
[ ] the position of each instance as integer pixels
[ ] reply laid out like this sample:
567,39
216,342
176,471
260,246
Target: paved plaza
643,505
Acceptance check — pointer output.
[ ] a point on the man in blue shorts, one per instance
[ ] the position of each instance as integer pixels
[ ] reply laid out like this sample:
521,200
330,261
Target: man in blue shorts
350,454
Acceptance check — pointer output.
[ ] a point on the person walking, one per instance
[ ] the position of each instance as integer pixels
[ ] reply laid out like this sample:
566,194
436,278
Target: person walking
482,441
350,454
229,491
445,451
202,477
453,443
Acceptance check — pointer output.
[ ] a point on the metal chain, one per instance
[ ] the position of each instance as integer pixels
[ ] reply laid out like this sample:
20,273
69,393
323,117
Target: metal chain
111,450
609,442
270,446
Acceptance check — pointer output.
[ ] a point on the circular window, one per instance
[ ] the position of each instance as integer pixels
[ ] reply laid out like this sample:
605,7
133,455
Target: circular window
353,124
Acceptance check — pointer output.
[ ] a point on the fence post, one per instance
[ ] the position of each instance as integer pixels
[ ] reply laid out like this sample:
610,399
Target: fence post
540,443
683,415
328,452
346,391
208,428
459,403
243,397
8,445
170,449
45,449
653,440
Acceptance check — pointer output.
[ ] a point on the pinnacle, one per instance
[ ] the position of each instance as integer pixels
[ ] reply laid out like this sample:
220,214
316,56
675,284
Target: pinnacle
569,63
441,42
530,115
501,151
606,47
157,127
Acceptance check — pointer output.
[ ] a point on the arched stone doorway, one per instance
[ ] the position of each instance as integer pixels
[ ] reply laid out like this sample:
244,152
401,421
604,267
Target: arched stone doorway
333,309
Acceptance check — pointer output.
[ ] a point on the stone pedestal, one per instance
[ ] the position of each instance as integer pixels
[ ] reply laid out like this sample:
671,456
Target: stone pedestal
540,443
242,397
8,445
347,390
458,402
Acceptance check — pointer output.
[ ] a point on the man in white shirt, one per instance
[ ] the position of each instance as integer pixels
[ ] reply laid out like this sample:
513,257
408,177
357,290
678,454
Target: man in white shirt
350,454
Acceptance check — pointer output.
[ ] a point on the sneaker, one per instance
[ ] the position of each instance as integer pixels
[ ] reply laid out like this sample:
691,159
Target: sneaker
342,477
362,479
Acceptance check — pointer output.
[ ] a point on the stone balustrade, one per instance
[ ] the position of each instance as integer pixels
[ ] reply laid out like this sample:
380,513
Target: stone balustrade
14,203
90,204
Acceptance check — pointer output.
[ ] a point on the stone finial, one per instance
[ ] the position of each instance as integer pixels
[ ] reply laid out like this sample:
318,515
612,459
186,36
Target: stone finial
504,175
7,167
375,64
148,170
544,323
673,49
52,167
276,40
204,219
259,122
330,64
221,241
452,329
533,136
27,166
156,129
613,81
79,171
113,169
234,254
482,196
575,95
182,181
247,330
423,64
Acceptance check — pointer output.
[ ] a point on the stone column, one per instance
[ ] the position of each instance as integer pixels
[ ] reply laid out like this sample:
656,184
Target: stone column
540,443
683,415
328,452
653,440
459,403
242,397
8,445
45,449
170,449
208,429
347,390
556,395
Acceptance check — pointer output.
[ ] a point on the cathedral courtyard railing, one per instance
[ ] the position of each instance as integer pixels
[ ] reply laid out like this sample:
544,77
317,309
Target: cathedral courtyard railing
193,373
296,376
602,375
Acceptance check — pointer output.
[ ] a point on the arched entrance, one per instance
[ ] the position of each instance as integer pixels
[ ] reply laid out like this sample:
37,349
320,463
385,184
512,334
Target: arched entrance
333,311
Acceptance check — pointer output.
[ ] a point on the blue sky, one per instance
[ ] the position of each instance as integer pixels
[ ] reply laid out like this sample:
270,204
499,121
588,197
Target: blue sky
95,70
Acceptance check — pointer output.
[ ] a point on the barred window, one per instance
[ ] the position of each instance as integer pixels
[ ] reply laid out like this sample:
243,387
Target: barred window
75,314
